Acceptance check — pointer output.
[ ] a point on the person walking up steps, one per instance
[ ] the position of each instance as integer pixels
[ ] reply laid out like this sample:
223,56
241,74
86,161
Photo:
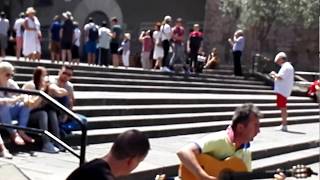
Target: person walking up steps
283,84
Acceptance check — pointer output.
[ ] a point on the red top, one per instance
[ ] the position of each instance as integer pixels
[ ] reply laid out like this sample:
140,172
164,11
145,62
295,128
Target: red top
312,88
178,31
147,44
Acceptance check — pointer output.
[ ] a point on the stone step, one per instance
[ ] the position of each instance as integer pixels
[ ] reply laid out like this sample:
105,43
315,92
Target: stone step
164,89
119,110
100,122
287,160
268,143
107,135
142,98
83,66
146,76
170,83
304,156
167,89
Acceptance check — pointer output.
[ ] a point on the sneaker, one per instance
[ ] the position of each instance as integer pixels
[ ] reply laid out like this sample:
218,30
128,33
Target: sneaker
283,128
49,148
6,154
166,69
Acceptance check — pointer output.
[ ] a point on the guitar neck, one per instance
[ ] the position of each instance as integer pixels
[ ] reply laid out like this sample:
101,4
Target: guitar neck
252,175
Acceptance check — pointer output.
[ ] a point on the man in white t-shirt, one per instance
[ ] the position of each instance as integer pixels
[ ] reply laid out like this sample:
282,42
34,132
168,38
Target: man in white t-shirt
4,27
283,84
166,35
105,37
18,27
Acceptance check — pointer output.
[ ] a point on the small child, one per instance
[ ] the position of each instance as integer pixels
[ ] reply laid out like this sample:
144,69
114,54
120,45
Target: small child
125,45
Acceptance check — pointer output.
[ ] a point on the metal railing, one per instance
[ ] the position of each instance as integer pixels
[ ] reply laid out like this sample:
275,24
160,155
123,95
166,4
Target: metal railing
262,64
59,106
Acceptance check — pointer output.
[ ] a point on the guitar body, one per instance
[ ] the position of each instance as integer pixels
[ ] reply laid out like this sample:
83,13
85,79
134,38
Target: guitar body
213,166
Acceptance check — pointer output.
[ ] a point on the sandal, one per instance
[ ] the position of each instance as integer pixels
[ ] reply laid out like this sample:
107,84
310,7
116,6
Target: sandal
17,139
25,137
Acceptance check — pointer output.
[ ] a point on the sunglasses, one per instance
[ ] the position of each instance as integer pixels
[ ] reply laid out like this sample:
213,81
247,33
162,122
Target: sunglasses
9,75
67,74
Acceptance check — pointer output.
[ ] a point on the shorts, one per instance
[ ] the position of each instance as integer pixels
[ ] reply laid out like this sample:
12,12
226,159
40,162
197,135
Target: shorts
75,52
281,101
66,45
55,46
3,41
114,46
91,47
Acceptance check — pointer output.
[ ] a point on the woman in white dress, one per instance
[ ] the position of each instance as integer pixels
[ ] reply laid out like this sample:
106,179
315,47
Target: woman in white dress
32,35
158,49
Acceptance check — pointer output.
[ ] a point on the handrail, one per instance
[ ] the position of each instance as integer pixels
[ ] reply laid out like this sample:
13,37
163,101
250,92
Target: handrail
55,103
314,75
255,64
41,132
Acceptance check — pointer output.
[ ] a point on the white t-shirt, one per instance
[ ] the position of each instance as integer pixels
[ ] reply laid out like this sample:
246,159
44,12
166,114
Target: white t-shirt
76,36
166,32
104,38
17,26
284,85
4,26
86,29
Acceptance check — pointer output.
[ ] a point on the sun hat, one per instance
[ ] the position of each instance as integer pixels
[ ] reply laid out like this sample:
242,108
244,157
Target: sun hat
67,15
280,55
167,18
30,10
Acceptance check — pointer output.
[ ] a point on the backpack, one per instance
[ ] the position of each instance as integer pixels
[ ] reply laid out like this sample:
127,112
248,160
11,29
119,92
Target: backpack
93,33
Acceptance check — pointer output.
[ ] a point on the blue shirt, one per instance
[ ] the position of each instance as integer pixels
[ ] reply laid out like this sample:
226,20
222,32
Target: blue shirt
55,31
238,44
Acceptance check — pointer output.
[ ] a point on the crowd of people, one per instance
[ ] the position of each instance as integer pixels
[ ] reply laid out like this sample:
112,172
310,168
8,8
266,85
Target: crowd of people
166,47
100,42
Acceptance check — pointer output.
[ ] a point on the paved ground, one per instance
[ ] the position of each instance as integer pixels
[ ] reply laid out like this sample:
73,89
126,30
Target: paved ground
58,166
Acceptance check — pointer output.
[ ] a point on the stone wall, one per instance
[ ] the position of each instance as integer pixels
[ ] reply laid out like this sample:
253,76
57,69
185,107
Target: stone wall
301,45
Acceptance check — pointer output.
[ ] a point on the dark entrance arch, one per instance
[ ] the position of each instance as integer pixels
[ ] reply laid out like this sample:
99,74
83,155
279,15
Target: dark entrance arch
98,17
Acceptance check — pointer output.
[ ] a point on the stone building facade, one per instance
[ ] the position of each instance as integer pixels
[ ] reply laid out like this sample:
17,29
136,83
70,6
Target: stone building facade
134,15
301,45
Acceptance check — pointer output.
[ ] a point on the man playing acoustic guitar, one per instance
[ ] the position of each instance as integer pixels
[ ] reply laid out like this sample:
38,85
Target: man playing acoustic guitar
232,142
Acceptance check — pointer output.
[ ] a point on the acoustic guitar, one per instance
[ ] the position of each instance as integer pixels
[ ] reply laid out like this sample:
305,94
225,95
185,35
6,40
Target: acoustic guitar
234,168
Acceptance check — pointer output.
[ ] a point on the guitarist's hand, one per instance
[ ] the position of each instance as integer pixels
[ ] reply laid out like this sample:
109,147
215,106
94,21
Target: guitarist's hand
279,176
209,178
205,176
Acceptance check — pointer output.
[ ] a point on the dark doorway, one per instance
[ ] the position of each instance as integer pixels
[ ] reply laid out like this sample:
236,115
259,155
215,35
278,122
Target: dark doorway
98,17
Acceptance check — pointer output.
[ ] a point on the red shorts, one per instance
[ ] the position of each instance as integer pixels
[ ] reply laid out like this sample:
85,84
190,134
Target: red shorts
281,101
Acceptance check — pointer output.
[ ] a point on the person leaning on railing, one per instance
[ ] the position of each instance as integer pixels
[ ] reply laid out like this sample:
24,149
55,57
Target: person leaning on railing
65,96
13,106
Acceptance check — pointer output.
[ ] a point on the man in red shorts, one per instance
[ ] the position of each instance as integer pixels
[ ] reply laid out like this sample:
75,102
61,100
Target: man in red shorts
283,84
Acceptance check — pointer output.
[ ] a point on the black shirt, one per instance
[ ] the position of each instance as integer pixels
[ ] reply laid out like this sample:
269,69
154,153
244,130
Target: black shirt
68,30
97,169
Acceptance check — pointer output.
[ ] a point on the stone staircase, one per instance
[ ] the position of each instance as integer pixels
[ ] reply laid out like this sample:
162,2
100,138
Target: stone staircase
166,105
